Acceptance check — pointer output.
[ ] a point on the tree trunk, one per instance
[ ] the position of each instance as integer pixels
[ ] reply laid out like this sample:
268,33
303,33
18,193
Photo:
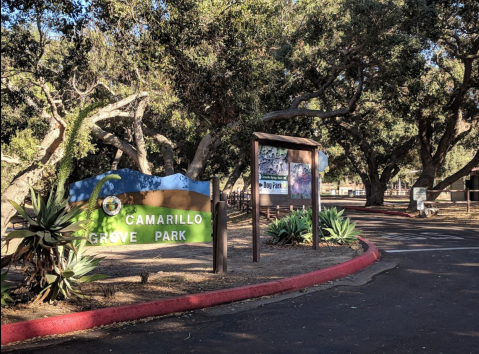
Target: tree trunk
169,159
166,148
198,165
142,157
375,193
116,161
234,177
247,182
50,154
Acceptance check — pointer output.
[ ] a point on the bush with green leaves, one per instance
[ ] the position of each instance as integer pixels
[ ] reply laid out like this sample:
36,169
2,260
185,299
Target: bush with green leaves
328,216
337,229
294,228
38,251
52,263
277,230
53,259
297,227
67,279
342,232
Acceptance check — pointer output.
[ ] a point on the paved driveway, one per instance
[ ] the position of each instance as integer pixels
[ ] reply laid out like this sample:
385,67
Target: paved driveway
424,298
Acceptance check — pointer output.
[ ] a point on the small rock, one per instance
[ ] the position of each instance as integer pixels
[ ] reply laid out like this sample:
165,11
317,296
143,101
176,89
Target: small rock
430,212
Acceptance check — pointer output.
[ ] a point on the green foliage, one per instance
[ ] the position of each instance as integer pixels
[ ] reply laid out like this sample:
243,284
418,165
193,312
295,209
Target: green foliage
277,230
342,232
297,227
65,281
23,144
5,296
52,264
327,217
337,229
50,228
294,228
66,164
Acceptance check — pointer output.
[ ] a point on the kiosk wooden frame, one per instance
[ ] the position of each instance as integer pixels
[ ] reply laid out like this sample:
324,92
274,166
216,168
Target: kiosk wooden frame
287,142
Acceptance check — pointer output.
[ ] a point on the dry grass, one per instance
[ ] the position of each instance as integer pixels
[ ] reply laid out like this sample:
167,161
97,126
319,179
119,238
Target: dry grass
448,211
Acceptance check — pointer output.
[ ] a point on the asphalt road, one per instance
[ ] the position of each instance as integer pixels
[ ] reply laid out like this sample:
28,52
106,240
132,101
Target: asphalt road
424,298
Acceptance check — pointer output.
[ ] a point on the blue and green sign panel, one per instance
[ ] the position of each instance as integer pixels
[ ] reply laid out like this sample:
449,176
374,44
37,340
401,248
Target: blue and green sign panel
139,209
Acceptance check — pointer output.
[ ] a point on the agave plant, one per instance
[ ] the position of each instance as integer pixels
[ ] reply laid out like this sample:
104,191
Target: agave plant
342,232
50,228
328,216
297,229
47,250
277,230
66,280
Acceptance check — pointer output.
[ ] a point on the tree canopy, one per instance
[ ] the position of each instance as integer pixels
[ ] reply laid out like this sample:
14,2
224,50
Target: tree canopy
180,85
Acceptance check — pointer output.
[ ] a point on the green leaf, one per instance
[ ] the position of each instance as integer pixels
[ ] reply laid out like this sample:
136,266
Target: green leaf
91,278
19,234
51,278
23,213
74,227
68,274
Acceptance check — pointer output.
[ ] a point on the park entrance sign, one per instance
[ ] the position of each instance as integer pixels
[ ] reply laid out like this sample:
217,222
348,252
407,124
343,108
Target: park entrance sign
141,209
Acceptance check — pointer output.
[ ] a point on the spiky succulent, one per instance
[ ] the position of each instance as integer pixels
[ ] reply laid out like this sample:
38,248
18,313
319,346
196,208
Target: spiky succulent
50,227
65,281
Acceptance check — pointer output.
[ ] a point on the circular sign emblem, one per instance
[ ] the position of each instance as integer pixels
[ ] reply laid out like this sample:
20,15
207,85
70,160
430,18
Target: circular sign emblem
111,205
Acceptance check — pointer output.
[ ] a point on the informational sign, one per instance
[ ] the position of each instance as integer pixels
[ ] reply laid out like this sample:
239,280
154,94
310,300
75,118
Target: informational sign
419,193
140,209
273,170
300,177
322,161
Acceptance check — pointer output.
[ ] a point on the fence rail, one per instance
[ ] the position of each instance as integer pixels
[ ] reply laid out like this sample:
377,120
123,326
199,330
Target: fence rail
467,191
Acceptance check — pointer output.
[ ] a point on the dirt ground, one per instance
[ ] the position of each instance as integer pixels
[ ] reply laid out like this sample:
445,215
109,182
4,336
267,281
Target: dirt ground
180,269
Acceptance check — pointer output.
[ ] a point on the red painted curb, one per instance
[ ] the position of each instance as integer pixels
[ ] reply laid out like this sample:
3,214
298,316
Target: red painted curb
380,211
20,331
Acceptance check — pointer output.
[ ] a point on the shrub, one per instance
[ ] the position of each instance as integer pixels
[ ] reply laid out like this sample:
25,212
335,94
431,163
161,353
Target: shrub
342,232
66,280
53,260
277,230
328,216
294,228
297,227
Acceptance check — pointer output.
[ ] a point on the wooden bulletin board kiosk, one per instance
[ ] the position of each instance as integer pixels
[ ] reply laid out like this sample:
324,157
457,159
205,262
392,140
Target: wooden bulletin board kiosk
284,171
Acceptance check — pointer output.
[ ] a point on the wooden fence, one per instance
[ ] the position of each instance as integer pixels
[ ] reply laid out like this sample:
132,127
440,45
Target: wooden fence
467,191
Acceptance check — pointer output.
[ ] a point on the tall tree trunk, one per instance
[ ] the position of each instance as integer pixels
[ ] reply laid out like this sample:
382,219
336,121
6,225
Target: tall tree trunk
247,182
202,155
116,160
50,154
168,159
139,137
166,148
238,170
375,193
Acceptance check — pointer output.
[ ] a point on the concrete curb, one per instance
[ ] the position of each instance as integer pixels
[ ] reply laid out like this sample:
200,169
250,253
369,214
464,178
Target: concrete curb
380,211
19,331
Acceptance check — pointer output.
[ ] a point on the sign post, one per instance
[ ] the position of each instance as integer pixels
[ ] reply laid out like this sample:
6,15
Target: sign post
419,194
